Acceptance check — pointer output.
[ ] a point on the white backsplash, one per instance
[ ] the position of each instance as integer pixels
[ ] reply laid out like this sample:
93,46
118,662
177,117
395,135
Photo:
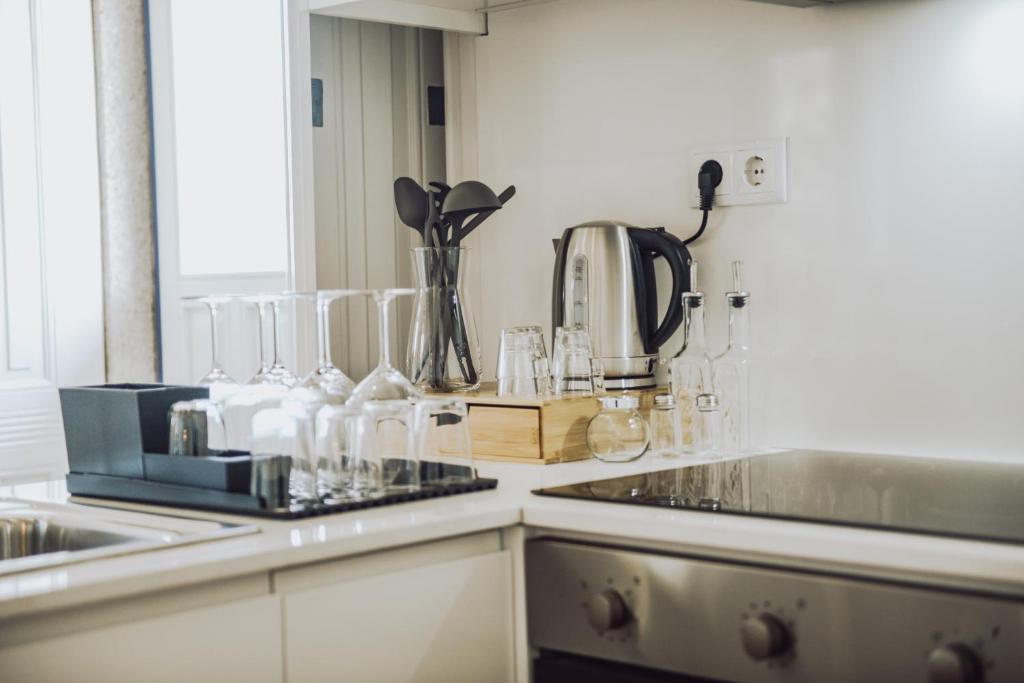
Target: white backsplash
885,292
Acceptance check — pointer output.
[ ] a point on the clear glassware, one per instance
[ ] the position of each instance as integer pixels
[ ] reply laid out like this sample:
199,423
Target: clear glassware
523,368
287,431
618,433
269,386
327,375
385,454
243,405
271,370
220,383
732,369
335,439
445,450
664,427
385,382
576,367
197,428
444,346
690,373
708,427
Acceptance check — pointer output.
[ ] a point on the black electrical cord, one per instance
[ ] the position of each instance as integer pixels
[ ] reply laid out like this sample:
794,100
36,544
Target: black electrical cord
708,178
700,231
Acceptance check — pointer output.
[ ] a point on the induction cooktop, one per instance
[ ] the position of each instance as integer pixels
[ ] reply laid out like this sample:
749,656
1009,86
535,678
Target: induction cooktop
957,498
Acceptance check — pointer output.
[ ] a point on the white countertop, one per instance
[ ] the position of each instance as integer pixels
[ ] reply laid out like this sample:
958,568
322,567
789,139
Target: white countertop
991,567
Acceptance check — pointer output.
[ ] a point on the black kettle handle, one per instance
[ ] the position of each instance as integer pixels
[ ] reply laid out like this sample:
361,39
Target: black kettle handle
660,244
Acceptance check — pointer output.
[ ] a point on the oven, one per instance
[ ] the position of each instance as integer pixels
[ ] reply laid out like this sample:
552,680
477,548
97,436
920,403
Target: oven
600,613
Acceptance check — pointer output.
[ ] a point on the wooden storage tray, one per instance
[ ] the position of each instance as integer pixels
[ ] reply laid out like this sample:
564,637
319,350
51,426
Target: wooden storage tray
532,430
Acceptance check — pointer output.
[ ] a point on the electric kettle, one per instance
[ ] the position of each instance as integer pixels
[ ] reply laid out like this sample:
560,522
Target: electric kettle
604,279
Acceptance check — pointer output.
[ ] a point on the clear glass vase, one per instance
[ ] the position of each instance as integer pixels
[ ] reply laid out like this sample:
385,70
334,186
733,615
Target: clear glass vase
444,347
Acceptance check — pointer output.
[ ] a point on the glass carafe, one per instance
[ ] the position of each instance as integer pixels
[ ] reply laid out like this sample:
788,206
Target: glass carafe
444,347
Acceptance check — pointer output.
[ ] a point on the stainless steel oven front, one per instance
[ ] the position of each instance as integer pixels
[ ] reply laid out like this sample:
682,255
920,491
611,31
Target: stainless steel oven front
614,614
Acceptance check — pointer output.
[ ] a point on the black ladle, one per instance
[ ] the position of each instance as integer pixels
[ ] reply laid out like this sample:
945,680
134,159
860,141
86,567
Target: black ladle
464,200
505,195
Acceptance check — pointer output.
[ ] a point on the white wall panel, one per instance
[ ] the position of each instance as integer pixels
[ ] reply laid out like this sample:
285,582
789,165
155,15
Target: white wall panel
885,291
372,133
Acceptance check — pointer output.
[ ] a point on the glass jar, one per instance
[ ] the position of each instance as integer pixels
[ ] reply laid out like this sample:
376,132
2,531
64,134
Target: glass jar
664,426
618,433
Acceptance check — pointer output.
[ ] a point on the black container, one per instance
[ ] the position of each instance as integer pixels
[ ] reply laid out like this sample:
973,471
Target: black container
108,427
228,471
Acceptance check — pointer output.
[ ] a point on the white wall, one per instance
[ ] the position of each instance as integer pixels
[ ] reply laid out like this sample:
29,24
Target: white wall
886,292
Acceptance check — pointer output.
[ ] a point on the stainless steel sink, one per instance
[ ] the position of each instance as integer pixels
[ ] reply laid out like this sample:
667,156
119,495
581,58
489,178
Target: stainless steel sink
37,535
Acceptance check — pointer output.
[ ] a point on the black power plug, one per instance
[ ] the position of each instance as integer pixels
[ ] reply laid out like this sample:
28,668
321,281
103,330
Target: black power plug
708,178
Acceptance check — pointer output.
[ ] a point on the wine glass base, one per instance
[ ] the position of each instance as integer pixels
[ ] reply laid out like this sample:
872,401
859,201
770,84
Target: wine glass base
384,384
277,374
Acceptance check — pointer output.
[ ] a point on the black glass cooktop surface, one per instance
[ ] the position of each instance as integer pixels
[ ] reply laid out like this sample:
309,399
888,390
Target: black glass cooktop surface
975,500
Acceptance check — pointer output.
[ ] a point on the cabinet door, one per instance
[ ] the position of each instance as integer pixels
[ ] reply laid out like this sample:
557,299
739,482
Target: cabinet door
238,641
448,622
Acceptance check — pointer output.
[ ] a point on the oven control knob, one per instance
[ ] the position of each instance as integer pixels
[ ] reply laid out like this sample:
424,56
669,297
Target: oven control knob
764,637
954,663
607,611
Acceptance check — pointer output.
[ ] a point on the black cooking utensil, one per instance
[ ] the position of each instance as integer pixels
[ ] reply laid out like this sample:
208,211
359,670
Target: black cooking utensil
411,202
464,200
505,195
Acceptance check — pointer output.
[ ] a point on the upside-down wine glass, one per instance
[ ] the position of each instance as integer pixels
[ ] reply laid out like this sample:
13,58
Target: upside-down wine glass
385,382
272,370
327,375
219,382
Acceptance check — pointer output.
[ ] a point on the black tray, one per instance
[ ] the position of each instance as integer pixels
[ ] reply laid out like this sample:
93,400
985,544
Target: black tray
177,495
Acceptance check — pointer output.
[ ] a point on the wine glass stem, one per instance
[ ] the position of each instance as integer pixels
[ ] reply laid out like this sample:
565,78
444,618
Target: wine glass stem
323,321
275,310
261,310
384,359
214,328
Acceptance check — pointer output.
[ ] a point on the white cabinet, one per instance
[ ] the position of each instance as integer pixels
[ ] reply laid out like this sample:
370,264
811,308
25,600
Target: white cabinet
362,620
237,641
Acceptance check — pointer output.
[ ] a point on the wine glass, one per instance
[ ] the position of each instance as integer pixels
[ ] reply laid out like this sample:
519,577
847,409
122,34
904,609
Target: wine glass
328,377
221,385
269,386
272,370
385,382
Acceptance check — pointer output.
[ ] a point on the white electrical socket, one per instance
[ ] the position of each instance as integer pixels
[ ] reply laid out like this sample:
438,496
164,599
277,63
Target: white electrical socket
752,172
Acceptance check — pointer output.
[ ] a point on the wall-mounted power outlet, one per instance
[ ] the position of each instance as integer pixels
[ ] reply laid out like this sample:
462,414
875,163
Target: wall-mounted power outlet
754,172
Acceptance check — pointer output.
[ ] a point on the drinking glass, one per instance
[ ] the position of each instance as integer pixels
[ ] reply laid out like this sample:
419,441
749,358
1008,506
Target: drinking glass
287,431
220,383
445,451
197,428
335,440
523,363
271,370
384,382
384,455
577,369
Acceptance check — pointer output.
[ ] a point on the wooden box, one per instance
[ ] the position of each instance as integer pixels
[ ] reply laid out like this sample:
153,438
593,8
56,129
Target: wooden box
533,430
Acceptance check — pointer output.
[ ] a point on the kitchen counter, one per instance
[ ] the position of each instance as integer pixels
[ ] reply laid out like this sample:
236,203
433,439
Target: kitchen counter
991,567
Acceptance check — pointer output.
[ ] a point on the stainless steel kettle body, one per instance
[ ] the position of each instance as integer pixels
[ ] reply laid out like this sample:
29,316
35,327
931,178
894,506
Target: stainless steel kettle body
604,279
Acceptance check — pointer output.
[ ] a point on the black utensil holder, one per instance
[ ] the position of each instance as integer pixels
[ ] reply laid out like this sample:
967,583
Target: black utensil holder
108,427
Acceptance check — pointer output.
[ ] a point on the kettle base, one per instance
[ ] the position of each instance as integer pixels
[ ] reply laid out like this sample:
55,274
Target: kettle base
621,383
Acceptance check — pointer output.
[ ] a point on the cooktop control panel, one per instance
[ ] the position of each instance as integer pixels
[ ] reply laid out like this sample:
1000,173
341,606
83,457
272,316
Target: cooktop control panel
748,623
